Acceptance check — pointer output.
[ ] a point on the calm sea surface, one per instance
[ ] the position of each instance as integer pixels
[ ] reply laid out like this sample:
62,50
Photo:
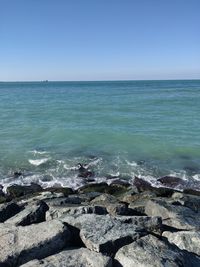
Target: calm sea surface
119,128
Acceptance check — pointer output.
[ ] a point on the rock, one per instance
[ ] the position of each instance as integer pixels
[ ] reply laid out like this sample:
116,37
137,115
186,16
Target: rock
57,212
129,195
191,191
113,206
188,240
190,201
174,216
64,190
106,234
143,185
172,181
84,172
21,190
115,189
31,214
150,251
8,210
44,196
22,244
73,258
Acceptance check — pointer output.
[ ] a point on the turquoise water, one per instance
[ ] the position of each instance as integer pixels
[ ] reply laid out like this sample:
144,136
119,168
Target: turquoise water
119,128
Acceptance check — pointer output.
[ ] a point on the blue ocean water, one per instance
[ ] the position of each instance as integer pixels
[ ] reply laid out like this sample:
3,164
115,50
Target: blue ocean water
117,128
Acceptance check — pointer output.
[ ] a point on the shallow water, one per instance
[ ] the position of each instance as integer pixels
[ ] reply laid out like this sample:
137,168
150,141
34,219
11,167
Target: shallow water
120,128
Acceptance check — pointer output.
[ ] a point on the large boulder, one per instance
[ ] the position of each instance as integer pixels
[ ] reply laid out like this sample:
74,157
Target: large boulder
188,240
8,210
73,258
106,234
22,244
149,251
30,214
176,216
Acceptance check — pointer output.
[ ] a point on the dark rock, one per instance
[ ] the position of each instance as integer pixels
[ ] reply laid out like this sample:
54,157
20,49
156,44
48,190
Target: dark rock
16,191
65,190
16,174
84,172
143,185
172,181
189,201
30,215
191,191
8,210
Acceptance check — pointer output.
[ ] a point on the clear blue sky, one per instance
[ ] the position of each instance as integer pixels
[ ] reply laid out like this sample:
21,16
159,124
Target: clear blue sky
99,39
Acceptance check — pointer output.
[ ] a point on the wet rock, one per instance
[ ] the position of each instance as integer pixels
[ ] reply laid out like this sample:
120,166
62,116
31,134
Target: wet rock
106,234
143,185
8,210
172,181
16,174
64,190
84,172
192,191
115,189
188,240
150,251
72,258
172,215
31,214
16,191
22,244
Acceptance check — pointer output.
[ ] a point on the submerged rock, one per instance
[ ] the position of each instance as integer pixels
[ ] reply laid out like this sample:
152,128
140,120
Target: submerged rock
73,258
150,251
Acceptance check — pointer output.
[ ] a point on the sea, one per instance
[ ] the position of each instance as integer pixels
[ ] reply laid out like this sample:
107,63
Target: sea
116,129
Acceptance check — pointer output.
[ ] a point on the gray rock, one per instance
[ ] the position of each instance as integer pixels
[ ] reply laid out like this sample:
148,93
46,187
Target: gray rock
73,258
57,212
113,206
31,214
188,240
175,216
8,210
106,234
46,195
22,244
149,251
190,201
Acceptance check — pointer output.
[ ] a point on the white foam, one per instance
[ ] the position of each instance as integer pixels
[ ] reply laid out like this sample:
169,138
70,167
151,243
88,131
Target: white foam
38,152
132,163
38,162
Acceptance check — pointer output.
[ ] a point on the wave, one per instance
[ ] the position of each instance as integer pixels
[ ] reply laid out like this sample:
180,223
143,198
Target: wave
37,162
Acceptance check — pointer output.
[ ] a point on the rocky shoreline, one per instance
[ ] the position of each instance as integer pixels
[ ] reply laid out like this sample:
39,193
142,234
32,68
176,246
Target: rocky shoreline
100,225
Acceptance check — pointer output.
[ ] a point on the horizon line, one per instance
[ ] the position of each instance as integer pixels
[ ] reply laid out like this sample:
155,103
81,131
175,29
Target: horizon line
109,80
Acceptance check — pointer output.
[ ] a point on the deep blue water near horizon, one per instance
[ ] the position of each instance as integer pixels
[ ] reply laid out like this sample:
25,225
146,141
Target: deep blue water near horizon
117,128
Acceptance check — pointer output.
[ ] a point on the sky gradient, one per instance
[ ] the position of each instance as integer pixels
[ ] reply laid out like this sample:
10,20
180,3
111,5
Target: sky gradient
99,39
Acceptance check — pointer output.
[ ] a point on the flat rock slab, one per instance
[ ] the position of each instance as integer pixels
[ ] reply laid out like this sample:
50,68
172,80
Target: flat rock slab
190,201
149,251
188,240
106,234
30,214
21,244
179,217
73,258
